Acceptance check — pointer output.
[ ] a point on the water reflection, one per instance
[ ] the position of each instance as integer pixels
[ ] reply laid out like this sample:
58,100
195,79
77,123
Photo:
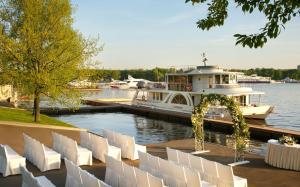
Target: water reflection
146,130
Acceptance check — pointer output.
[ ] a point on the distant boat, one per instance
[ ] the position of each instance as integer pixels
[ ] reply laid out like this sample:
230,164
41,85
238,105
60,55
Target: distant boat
289,80
254,78
134,83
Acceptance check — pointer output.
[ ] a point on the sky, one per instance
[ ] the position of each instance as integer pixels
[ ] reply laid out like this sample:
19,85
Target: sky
163,33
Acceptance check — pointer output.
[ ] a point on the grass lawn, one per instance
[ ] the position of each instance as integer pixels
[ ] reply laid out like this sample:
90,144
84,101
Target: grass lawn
12,114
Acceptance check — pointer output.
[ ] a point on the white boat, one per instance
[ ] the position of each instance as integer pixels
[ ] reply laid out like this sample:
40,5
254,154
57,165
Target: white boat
183,91
133,82
254,78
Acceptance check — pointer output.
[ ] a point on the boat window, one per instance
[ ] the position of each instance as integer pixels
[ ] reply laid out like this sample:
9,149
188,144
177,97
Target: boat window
217,79
225,79
179,99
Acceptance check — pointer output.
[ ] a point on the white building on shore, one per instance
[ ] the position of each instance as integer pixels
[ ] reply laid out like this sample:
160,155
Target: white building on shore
8,96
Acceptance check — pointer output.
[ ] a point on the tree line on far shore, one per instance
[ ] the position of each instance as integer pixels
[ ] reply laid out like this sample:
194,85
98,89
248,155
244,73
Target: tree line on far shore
158,74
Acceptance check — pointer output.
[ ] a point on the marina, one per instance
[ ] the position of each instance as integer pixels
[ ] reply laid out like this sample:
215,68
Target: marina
148,94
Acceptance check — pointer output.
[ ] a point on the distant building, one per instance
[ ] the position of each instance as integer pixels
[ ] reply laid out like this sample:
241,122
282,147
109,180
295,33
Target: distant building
298,67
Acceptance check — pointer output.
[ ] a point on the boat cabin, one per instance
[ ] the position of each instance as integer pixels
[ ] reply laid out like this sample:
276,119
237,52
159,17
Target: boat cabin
203,77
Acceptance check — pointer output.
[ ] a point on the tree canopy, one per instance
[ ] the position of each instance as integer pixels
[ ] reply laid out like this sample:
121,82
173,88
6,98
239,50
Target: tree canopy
40,51
278,13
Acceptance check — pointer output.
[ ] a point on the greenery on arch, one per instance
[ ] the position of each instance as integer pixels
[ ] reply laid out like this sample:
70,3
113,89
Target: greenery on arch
240,128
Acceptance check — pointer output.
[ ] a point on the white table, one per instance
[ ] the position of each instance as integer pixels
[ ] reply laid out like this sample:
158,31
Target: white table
283,156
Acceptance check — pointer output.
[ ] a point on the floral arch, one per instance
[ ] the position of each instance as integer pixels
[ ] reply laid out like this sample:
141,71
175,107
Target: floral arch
240,128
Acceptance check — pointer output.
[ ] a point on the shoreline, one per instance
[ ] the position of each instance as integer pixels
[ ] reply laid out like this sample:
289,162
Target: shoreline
257,132
257,172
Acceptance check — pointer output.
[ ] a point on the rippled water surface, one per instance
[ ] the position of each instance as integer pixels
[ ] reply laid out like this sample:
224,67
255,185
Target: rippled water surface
146,130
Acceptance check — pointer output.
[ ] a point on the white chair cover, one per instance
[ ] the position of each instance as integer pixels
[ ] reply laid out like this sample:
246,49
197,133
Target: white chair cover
178,176
143,164
129,179
227,178
142,178
172,155
196,163
73,175
89,180
85,139
183,158
100,148
155,181
28,180
210,171
10,161
153,165
41,156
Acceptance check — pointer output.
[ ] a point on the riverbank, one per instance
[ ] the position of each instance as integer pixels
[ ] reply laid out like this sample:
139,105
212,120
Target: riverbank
21,115
257,172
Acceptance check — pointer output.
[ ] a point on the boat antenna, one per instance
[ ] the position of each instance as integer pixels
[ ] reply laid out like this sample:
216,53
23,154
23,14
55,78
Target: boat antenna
204,59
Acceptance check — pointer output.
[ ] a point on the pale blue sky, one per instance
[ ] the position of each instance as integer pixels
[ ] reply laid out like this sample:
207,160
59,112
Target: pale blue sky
163,33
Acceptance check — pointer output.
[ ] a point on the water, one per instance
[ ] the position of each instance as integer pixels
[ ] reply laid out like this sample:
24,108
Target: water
286,100
284,97
146,130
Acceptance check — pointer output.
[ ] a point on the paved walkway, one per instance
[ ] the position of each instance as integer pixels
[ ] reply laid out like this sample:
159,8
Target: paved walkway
257,172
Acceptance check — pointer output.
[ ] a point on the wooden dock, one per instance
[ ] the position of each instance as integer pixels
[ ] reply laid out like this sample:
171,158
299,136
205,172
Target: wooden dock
257,131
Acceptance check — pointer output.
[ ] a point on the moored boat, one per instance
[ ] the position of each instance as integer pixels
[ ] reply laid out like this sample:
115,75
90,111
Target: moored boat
184,89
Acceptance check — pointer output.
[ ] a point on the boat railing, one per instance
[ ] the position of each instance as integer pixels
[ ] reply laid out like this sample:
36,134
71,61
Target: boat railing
227,85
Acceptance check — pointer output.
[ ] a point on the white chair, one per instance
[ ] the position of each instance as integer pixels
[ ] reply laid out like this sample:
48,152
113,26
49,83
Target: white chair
153,165
143,164
183,158
114,171
40,155
110,136
210,171
129,178
89,180
73,175
85,139
155,181
73,152
193,179
142,178
172,155
129,149
10,161
134,148
228,179
196,163
165,171
178,178
103,184
28,180
100,148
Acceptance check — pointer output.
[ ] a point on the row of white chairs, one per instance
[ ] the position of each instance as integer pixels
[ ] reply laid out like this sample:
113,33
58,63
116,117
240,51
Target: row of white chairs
40,155
10,161
99,146
213,172
77,177
28,180
120,174
69,149
129,149
174,175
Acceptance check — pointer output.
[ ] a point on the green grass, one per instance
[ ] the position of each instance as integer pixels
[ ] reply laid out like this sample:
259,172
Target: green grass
12,114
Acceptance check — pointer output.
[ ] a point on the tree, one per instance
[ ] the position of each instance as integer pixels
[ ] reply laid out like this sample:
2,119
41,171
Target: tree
278,13
40,51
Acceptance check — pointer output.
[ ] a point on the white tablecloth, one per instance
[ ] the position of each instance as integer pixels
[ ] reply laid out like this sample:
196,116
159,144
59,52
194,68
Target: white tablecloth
283,156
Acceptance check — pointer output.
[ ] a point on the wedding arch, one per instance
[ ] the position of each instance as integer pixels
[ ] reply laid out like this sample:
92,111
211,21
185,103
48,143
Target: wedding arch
240,128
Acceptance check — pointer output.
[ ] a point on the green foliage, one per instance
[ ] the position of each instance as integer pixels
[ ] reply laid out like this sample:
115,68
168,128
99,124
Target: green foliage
278,13
156,74
40,51
240,127
11,114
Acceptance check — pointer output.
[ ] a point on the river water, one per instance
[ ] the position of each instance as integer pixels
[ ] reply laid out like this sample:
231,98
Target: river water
284,97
